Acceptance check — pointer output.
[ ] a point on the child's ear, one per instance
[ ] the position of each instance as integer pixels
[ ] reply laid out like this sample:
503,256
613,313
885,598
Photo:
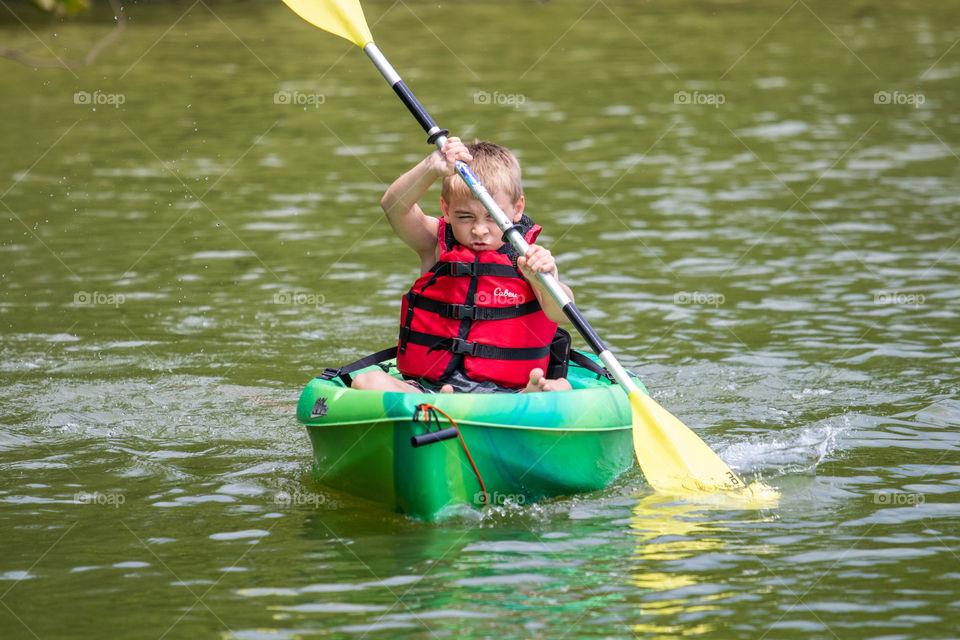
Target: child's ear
518,209
444,210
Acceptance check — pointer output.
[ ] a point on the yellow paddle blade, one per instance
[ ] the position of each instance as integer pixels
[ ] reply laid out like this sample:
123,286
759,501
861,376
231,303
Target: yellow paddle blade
342,18
672,457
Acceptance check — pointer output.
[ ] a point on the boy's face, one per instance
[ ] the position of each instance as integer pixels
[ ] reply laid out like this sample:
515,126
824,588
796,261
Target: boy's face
473,226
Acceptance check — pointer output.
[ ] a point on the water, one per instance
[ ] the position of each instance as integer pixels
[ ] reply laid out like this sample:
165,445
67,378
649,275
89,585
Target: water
755,204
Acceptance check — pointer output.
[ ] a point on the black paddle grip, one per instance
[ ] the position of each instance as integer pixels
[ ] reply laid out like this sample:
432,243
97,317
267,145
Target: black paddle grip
570,309
414,106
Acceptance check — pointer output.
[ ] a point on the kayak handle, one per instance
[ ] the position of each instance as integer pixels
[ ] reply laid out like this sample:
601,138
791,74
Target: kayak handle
433,436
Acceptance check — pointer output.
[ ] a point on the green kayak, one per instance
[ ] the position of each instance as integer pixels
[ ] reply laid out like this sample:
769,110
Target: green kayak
522,446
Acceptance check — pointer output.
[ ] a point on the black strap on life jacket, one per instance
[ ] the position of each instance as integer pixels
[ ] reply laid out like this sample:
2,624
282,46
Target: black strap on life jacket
461,346
457,345
474,269
474,312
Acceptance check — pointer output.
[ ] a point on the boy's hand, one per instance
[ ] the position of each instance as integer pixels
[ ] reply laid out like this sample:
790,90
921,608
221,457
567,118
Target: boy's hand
444,162
537,260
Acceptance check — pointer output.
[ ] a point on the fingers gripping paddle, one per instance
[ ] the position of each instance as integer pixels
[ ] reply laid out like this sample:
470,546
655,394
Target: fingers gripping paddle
672,457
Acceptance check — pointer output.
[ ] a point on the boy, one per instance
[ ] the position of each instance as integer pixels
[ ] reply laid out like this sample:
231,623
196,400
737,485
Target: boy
477,319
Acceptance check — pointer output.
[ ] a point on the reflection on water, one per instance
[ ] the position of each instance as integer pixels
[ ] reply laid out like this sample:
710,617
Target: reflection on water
672,537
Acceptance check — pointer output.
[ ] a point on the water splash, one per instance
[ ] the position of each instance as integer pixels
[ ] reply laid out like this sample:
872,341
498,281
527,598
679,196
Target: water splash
795,450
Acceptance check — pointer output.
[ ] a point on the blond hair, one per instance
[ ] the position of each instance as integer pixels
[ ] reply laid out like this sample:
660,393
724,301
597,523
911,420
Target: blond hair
495,166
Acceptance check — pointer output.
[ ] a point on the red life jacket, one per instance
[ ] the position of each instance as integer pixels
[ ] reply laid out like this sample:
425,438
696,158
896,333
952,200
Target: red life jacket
475,309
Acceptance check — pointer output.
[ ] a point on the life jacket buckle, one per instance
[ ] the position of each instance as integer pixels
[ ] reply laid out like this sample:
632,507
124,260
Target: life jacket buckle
461,269
464,311
459,346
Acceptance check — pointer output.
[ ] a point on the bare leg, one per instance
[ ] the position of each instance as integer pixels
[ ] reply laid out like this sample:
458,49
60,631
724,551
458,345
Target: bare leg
538,382
381,381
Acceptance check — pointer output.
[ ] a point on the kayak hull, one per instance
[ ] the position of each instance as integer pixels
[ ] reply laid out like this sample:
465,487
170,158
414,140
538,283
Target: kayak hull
525,446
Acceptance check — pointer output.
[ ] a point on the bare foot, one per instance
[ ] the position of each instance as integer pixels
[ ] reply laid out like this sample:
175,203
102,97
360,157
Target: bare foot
558,384
447,388
538,382
536,375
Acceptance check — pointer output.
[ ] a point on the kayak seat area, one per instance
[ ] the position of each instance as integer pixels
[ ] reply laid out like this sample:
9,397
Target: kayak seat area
579,376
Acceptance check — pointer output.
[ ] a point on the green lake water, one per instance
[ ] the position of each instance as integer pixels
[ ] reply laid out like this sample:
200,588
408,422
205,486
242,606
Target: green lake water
756,204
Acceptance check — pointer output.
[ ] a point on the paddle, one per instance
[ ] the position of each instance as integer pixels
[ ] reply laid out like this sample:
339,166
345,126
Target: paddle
672,457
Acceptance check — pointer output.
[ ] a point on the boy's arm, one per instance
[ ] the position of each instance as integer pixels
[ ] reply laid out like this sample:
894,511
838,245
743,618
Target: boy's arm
540,260
415,228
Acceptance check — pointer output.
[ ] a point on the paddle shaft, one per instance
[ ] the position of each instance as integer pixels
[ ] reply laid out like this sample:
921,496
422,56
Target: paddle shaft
511,233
